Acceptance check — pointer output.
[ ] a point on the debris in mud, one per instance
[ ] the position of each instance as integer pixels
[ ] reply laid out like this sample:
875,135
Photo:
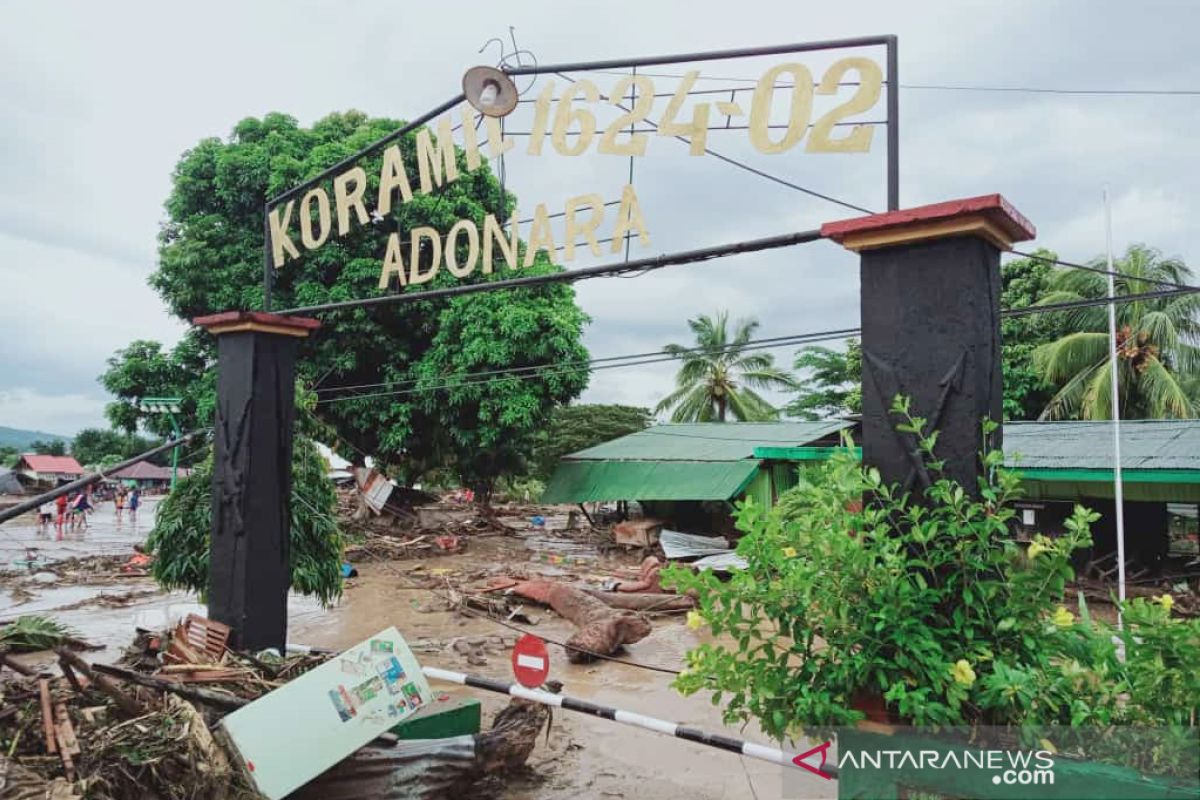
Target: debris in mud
142,728
602,630
31,633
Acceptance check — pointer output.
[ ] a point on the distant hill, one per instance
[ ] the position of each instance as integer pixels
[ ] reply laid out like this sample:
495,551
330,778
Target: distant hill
21,439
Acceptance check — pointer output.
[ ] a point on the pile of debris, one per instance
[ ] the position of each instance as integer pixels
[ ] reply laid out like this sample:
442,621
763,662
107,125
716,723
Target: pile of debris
147,727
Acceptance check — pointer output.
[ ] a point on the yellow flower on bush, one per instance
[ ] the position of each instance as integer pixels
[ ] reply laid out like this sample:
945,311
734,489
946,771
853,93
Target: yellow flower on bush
790,552
1062,618
962,672
696,620
1036,548
1166,601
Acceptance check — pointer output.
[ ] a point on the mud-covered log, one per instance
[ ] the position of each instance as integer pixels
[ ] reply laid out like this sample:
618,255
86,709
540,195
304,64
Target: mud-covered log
602,630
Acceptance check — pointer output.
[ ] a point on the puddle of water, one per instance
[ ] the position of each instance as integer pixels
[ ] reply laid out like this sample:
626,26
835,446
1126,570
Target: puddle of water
615,760
585,757
104,535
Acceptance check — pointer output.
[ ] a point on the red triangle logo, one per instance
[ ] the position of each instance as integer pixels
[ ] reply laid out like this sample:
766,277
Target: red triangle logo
822,749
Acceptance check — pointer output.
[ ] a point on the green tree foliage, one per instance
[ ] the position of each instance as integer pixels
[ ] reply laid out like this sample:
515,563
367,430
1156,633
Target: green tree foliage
181,535
720,373
8,456
145,369
419,415
1158,358
56,447
833,387
96,446
1024,283
574,428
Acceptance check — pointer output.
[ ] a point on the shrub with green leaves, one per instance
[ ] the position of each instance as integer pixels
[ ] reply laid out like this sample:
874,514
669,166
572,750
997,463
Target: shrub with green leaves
182,528
930,606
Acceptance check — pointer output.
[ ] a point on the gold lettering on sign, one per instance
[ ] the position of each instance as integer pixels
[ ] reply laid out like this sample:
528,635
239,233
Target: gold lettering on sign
596,203
436,165
392,176
864,98
629,217
493,234
393,263
497,144
415,275
280,240
346,199
468,227
799,112
541,236
313,241
470,139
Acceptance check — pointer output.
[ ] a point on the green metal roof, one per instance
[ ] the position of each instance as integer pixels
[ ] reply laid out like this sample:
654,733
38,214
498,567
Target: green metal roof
581,481
708,441
1145,445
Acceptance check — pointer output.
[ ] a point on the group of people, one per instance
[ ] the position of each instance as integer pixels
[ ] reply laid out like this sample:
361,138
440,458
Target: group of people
73,510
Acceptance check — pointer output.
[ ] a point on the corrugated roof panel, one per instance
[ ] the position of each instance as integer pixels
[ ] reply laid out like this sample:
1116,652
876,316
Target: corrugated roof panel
709,441
591,481
1145,444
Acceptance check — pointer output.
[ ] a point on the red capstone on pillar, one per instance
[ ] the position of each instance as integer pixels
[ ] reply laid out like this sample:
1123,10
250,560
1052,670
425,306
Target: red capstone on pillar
931,328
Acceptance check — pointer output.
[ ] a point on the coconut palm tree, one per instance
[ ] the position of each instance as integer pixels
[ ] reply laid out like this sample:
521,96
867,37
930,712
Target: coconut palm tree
719,374
1157,343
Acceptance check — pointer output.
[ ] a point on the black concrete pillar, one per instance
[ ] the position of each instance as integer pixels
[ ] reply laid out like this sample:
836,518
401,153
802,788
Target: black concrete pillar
931,328
248,572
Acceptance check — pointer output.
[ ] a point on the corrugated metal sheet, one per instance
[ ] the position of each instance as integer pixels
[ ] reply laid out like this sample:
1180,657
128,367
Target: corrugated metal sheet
709,441
1145,444
591,481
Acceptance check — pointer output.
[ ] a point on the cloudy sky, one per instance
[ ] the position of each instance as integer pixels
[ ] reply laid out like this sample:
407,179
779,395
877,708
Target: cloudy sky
99,100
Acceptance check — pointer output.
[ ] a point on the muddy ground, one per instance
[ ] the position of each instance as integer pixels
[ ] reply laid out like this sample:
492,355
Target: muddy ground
584,757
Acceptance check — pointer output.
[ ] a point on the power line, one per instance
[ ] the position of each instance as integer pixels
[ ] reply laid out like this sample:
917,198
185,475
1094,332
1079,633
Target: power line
603,359
570,276
942,87
1100,301
562,368
742,165
1100,271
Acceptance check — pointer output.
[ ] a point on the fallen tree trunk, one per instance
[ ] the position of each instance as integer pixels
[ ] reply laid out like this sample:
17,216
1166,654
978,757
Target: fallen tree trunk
227,702
126,703
602,630
643,602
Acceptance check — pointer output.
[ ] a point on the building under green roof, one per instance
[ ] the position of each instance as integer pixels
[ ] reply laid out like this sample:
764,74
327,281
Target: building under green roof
688,462
1160,459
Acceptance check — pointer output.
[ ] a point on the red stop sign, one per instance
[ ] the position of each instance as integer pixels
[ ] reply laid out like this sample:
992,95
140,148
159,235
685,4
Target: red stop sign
531,663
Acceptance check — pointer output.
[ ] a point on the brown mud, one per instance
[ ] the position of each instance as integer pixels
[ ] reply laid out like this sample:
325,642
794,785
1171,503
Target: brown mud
584,757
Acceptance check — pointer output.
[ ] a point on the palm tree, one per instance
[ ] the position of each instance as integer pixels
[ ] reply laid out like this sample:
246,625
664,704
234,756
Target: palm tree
1157,353
719,376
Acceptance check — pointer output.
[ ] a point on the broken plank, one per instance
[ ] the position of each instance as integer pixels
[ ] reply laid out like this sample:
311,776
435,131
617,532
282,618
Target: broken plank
47,716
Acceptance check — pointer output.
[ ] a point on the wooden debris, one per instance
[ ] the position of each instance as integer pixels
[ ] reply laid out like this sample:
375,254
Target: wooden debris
221,700
47,716
123,701
14,665
68,745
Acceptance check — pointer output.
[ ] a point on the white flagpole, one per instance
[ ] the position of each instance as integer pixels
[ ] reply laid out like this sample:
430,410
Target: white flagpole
1114,388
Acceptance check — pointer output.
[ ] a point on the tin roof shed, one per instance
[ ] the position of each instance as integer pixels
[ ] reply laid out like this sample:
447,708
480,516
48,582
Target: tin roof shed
682,461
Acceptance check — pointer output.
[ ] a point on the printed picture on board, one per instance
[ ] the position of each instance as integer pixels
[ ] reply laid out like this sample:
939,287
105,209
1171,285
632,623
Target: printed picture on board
368,689
341,702
392,673
413,695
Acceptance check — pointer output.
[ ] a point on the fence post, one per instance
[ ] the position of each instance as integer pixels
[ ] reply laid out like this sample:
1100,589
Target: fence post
248,571
931,328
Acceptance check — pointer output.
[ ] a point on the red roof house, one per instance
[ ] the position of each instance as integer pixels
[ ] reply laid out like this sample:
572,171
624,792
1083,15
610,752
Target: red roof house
47,468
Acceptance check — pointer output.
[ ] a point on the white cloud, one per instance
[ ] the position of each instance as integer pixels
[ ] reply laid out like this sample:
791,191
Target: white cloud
64,414
98,110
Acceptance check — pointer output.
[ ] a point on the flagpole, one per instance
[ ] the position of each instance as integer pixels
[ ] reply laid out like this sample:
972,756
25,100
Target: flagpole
1114,390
